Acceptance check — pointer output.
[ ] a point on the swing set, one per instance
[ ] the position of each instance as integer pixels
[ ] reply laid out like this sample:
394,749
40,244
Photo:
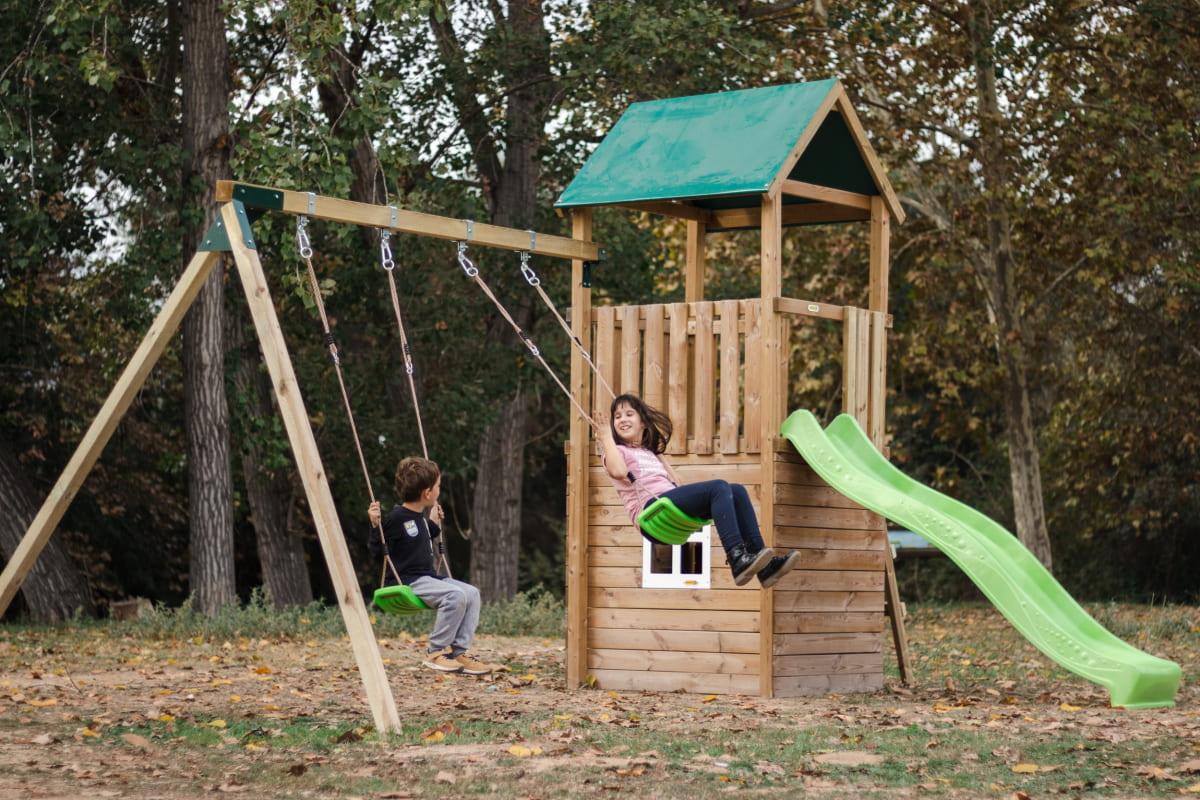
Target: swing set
231,233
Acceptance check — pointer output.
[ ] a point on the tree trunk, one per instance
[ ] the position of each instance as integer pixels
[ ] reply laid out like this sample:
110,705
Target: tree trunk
998,267
509,182
55,588
206,159
269,490
496,511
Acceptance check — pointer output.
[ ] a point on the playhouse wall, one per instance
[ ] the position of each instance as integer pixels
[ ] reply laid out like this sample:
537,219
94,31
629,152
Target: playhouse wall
829,620
701,640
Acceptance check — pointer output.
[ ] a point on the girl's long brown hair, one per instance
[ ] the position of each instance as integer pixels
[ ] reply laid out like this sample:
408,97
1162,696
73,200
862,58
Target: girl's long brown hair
658,425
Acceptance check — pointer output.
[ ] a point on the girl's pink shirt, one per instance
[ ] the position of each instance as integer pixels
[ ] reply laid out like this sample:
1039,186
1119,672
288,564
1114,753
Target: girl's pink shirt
651,479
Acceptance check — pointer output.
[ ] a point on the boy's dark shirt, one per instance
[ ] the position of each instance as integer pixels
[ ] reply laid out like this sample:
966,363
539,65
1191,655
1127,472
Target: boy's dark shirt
409,535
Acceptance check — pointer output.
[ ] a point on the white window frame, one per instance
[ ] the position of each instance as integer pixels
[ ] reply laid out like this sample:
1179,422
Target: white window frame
675,579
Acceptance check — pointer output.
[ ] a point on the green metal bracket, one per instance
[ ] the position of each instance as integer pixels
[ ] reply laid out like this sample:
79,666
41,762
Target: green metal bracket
257,199
217,238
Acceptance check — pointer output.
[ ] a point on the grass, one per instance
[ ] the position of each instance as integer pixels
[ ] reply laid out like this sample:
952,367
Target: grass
269,703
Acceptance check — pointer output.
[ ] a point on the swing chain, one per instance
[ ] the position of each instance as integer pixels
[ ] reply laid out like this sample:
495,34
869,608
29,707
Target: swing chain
302,240
530,276
385,251
464,261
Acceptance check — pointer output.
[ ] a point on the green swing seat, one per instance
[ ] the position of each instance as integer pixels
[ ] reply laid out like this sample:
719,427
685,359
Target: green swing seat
664,522
398,600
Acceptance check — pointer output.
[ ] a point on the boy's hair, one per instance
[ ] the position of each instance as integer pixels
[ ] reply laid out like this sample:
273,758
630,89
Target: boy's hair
658,425
413,476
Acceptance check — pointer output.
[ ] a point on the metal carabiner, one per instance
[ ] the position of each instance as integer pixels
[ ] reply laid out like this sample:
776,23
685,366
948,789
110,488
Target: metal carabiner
385,251
302,241
468,266
530,276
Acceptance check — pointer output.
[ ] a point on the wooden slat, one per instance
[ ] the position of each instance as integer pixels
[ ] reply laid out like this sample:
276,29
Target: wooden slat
577,464
828,664
811,517
677,389
895,613
703,379
752,382
614,556
313,478
830,581
684,641
736,219
670,620
830,539
730,375
825,194
854,560
694,266
631,351
807,308
698,461
630,577
820,685
101,430
794,644
605,356
694,682
828,601
829,622
654,373
431,225
705,599
849,359
863,365
799,474
877,388
668,661
817,496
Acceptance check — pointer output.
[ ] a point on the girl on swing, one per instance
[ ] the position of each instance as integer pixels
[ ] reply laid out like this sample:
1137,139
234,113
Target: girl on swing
633,443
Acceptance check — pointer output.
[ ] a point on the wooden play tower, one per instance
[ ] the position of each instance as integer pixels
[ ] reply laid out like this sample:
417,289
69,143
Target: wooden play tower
642,616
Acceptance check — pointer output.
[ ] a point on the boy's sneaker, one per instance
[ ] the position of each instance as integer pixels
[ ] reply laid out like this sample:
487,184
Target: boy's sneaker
746,565
778,566
442,662
471,666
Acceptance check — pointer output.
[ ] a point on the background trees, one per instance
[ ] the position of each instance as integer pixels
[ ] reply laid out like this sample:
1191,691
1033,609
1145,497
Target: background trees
1043,361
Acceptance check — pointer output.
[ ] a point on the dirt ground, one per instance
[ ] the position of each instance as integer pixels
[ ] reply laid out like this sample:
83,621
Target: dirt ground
96,712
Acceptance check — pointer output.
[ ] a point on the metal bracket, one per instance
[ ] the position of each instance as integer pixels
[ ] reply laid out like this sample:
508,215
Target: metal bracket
470,229
312,202
587,273
532,241
395,215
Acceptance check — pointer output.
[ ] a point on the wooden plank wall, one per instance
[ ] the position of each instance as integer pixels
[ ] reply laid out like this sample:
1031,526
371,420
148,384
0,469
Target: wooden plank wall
829,612
692,361
688,360
703,640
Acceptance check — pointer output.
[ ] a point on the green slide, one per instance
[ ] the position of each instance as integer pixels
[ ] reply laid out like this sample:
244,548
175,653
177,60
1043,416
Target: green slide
1011,577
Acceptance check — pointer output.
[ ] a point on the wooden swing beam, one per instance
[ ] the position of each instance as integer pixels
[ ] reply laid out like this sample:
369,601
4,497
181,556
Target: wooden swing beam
231,233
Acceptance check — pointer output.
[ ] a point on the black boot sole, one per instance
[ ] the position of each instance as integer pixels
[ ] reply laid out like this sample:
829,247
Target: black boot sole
761,560
790,563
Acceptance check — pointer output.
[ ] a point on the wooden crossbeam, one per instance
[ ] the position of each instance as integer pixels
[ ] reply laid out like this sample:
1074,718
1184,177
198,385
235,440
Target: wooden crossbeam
734,219
391,218
669,208
825,194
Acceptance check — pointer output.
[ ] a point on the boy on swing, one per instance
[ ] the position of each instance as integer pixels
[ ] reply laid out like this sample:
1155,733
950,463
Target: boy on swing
410,534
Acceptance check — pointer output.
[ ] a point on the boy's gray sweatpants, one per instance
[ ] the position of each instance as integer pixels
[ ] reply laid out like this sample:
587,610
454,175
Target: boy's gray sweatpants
457,605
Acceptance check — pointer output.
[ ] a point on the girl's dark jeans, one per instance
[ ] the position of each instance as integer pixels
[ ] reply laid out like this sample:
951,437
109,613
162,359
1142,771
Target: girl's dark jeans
726,504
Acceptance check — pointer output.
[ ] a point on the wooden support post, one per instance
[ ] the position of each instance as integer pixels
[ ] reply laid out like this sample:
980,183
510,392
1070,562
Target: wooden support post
693,284
895,611
102,427
577,465
773,375
312,475
879,247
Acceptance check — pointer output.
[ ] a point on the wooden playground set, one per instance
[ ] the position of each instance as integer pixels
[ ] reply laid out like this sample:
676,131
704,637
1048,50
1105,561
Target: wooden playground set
643,615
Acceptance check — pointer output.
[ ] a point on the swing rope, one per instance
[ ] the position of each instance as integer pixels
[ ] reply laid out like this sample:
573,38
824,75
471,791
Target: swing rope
389,266
304,245
533,280
472,272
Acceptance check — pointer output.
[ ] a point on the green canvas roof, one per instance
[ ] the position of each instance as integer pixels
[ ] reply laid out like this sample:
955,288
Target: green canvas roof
723,150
